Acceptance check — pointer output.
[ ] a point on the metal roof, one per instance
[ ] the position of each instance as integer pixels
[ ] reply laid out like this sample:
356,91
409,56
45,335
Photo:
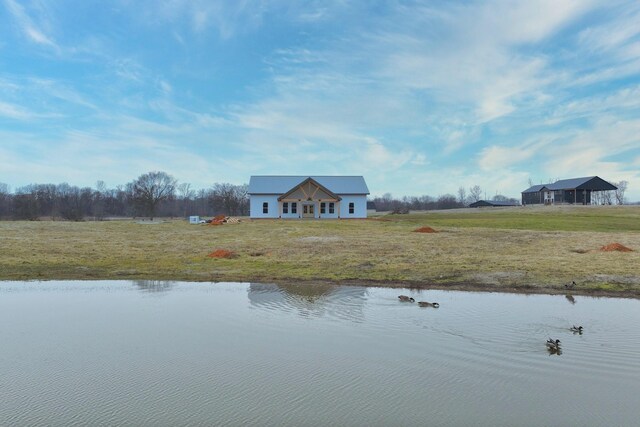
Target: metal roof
273,184
595,183
567,184
492,203
535,188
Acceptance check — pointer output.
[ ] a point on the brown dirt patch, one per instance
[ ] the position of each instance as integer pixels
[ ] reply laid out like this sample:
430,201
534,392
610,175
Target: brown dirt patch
617,247
425,230
218,218
222,253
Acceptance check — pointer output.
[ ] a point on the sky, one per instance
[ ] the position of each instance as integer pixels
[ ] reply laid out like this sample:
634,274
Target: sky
419,97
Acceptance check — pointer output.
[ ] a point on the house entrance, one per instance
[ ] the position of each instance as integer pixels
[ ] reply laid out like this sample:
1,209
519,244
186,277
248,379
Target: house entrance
308,211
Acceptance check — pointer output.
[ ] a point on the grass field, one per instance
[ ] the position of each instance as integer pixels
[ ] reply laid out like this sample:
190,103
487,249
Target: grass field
532,249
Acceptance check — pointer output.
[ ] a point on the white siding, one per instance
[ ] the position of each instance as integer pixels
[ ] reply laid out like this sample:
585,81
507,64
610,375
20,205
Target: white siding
342,207
360,206
293,215
255,206
327,214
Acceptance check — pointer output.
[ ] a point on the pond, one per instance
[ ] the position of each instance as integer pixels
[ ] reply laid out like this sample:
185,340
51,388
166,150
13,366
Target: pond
166,353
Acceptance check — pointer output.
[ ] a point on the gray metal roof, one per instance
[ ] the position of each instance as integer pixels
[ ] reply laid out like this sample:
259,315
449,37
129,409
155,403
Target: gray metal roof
492,203
535,188
595,183
273,184
569,184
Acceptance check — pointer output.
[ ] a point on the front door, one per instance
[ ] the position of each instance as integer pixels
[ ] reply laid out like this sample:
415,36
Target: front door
308,211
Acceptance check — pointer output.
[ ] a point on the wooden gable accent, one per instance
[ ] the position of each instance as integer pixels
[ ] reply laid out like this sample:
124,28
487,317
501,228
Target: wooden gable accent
309,189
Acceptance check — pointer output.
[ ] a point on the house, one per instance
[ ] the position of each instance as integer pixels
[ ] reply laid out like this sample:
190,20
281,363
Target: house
307,197
573,191
491,203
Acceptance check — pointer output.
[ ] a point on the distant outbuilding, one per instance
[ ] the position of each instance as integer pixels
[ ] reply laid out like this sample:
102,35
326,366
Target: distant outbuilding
491,203
566,191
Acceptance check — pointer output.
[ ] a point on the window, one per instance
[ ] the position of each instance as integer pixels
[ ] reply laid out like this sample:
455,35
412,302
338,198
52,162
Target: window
265,208
294,207
285,208
351,207
331,207
323,207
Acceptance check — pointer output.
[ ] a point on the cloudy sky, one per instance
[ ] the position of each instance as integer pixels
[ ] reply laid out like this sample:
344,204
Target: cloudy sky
420,97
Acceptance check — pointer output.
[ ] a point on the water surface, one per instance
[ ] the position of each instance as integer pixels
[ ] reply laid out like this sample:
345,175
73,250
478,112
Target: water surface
164,353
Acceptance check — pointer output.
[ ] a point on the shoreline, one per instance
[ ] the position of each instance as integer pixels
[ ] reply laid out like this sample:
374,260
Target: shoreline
398,284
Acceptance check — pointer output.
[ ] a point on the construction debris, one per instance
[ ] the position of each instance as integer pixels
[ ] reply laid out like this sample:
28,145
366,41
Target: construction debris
617,247
221,219
222,253
425,230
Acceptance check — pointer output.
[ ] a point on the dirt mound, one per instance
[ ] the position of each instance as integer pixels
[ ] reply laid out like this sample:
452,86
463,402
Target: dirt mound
222,253
615,247
219,218
425,230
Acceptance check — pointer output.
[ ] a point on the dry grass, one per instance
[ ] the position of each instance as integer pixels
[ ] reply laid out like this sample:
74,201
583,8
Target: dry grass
522,255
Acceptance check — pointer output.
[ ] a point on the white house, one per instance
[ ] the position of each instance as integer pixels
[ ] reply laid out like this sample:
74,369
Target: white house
308,197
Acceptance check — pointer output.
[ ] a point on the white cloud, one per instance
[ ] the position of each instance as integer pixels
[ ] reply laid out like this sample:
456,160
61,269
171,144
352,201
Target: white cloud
27,26
493,158
14,111
614,37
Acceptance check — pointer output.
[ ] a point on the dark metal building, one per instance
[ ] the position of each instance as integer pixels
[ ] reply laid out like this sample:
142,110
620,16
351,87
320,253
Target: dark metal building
491,203
571,191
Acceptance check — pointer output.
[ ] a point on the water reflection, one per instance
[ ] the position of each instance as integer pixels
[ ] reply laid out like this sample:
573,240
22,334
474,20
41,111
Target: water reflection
570,298
553,351
154,286
317,300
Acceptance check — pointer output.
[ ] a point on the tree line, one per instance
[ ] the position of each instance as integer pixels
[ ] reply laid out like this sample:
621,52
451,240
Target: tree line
462,199
150,195
159,194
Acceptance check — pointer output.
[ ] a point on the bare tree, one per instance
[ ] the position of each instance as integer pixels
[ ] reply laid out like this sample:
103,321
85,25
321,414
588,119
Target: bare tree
185,191
5,200
229,199
619,193
447,201
462,195
185,196
475,193
150,189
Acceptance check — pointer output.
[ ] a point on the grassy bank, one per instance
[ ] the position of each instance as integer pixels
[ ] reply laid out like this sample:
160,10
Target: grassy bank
514,249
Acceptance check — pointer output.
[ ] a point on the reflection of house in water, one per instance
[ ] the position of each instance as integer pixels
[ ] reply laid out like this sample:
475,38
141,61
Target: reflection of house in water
313,300
154,286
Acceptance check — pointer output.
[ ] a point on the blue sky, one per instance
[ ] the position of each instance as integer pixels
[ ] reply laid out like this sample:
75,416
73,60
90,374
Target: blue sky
419,97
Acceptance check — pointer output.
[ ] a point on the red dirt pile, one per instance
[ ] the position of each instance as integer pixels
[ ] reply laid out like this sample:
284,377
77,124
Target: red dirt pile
425,230
219,218
615,247
222,253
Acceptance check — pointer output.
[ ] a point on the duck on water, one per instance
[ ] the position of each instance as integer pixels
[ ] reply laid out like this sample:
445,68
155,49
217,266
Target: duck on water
428,304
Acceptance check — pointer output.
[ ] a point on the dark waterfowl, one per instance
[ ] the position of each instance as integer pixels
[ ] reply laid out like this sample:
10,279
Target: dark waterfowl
576,329
553,345
405,298
570,285
428,304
